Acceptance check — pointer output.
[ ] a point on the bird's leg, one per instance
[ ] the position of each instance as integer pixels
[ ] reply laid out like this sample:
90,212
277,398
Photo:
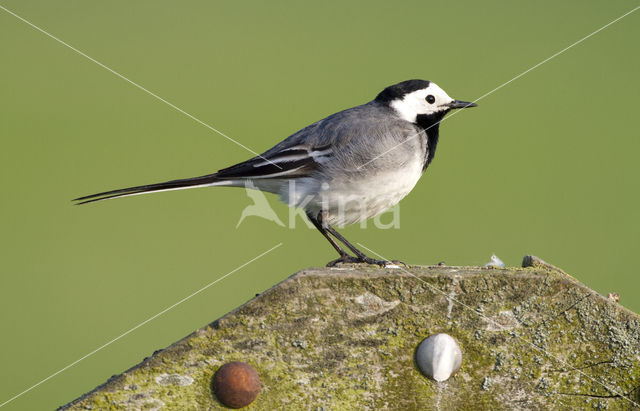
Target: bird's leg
361,256
344,256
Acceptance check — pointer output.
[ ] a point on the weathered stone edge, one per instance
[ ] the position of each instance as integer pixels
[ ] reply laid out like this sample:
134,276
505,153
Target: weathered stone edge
537,268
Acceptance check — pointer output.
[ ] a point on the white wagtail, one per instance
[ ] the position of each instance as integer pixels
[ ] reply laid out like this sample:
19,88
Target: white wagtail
345,168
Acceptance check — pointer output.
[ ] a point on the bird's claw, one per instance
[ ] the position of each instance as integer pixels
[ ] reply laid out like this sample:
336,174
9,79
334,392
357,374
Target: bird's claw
348,259
345,259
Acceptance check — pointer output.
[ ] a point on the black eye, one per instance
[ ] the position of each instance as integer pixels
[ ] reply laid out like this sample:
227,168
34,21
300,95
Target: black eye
430,99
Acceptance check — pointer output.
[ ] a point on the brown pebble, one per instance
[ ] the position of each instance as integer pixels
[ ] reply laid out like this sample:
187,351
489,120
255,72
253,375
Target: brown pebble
614,297
236,384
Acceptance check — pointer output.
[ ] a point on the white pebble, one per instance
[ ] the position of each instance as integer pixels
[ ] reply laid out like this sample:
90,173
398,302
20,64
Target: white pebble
439,356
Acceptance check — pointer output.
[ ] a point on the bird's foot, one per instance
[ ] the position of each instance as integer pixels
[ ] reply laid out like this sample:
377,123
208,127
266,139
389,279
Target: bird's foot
345,259
373,261
348,259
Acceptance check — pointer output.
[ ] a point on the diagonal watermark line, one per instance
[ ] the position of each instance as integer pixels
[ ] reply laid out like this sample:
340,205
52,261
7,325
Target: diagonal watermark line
140,325
556,54
173,106
501,327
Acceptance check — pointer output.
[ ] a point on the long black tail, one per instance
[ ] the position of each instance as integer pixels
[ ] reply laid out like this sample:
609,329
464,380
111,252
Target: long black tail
201,181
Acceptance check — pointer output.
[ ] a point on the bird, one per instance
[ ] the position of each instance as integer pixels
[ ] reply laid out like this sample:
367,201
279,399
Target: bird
343,169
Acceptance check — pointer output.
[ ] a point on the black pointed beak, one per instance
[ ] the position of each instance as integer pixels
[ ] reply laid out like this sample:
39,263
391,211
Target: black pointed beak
461,104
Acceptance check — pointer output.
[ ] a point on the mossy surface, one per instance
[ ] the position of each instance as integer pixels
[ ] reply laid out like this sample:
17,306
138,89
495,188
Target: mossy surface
344,339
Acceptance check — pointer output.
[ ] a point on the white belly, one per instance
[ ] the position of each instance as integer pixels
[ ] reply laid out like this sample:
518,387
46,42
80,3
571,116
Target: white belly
348,201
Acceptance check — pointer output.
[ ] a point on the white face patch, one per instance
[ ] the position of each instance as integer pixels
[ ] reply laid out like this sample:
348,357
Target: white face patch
417,102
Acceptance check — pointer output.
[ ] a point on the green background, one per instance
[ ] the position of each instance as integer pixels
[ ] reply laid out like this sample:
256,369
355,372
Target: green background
547,165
